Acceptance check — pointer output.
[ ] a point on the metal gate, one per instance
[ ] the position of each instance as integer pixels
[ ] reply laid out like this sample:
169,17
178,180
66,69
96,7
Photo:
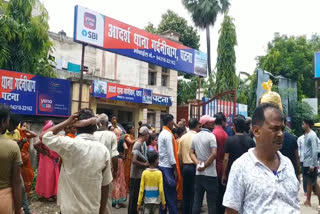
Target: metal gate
225,102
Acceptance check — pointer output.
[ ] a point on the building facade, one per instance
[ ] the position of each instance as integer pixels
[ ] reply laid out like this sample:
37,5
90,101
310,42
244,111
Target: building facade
112,68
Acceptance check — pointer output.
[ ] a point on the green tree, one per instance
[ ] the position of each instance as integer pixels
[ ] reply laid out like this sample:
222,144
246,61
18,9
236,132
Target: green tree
187,89
298,112
292,57
24,40
226,60
189,36
252,99
204,14
151,28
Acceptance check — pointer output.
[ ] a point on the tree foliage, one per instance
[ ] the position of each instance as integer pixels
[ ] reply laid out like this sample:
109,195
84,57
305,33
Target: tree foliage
204,12
189,36
292,57
187,89
226,60
24,40
298,112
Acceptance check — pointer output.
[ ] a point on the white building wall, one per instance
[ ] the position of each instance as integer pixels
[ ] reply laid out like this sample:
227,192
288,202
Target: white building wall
116,67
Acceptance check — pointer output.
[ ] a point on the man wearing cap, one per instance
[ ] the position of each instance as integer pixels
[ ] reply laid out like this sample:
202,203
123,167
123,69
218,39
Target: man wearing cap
138,164
203,152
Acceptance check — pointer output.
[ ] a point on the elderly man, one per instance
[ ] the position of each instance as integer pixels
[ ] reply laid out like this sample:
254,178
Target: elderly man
109,139
263,180
86,170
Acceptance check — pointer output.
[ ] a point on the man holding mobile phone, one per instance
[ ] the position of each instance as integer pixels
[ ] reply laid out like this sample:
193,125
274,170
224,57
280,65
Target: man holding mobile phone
203,153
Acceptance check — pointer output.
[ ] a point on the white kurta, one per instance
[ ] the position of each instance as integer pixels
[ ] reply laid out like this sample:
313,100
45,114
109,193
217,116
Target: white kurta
85,169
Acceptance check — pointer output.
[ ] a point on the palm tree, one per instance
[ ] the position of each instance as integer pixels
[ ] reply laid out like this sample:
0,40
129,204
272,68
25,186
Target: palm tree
204,14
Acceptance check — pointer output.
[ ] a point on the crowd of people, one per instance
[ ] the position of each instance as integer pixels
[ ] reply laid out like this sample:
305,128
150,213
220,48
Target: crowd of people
89,164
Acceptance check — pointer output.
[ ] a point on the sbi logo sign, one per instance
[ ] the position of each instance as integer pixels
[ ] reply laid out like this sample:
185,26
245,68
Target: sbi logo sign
89,34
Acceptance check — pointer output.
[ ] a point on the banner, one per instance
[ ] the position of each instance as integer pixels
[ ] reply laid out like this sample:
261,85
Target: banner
35,95
111,35
120,92
226,107
53,97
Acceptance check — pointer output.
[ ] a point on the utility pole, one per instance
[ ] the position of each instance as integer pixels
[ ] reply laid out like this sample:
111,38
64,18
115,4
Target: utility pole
81,76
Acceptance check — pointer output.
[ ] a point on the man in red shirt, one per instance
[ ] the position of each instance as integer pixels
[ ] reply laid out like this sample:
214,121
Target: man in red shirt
221,137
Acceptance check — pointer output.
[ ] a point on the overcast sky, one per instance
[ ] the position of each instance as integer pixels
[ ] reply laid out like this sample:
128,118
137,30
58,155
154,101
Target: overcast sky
256,20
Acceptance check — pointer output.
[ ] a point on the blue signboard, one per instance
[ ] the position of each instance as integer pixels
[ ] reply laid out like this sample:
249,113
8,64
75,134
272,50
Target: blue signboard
162,100
115,91
35,95
19,91
317,65
112,35
53,97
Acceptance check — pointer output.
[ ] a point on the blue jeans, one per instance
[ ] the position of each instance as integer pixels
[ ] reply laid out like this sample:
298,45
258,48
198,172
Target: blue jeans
189,174
210,186
170,192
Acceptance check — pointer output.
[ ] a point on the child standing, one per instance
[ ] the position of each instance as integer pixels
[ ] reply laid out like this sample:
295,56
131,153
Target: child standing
151,186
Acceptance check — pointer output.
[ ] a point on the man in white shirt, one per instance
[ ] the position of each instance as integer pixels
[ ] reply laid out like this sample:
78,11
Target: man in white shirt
263,180
86,170
167,164
109,139
310,160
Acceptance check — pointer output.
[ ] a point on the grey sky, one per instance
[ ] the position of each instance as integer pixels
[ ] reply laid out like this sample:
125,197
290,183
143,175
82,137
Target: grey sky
256,20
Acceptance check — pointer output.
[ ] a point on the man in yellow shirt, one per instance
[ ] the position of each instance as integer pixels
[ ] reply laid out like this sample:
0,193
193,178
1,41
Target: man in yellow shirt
151,186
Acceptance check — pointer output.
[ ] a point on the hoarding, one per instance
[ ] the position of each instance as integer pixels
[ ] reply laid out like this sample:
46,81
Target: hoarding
317,65
111,35
19,91
35,95
120,92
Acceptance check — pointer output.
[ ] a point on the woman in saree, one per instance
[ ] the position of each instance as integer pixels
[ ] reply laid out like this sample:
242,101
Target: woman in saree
48,169
128,145
26,169
119,188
